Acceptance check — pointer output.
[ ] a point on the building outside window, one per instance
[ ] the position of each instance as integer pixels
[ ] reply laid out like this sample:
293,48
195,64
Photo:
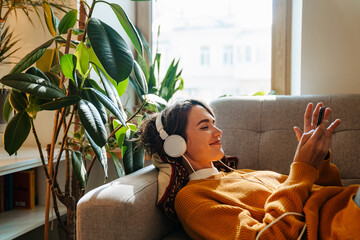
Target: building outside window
224,47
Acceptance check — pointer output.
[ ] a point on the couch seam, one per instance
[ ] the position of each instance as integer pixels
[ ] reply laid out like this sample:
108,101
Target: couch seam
261,109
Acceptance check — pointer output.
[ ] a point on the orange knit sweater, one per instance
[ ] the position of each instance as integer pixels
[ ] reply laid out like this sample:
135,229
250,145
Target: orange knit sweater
226,206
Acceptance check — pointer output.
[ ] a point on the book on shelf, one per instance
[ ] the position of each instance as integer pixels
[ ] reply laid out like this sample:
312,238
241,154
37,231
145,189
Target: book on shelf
9,191
24,189
2,193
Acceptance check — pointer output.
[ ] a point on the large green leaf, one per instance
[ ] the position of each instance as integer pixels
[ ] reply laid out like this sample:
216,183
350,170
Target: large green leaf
60,103
7,109
32,57
128,27
88,95
79,168
37,72
111,50
140,78
110,106
82,55
16,132
92,122
134,156
33,84
68,21
110,89
18,101
68,63
100,153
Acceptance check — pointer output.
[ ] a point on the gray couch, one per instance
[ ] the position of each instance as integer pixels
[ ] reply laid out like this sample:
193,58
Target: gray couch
257,130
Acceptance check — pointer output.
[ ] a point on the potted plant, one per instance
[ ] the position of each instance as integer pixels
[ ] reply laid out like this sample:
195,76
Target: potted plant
65,86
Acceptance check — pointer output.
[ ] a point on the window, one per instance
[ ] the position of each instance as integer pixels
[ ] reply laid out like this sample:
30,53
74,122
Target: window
205,56
238,33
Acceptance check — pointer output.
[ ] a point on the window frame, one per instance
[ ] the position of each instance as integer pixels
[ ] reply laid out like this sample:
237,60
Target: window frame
281,41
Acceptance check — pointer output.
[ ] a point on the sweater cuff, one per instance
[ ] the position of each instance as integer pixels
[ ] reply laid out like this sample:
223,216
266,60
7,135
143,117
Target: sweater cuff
303,172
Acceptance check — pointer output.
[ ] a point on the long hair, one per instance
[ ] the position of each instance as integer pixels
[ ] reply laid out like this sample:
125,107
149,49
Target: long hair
174,119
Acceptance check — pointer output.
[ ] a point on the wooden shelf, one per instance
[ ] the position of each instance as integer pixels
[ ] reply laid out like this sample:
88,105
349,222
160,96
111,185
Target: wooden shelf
26,158
17,222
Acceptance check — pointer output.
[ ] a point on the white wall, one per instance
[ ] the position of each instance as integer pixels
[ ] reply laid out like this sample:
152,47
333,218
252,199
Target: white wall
330,47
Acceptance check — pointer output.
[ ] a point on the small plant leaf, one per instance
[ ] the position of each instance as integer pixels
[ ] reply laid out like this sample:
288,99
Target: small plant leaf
68,21
16,132
119,169
79,167
18,101
82,55
32,57
100,153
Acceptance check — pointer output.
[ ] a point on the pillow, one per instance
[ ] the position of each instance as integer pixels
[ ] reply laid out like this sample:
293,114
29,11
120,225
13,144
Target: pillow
172,177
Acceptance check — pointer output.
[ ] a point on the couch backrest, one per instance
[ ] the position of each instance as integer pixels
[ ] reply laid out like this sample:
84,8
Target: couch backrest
259,131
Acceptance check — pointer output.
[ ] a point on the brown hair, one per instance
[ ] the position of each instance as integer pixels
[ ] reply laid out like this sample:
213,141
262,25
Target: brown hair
174,119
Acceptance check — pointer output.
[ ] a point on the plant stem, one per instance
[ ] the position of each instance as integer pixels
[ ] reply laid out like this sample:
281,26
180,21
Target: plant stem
38,144
63,143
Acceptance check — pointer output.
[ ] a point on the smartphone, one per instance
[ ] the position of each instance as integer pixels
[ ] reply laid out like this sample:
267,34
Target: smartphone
321,115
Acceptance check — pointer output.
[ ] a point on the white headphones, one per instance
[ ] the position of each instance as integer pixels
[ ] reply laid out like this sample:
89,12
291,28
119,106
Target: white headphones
174,145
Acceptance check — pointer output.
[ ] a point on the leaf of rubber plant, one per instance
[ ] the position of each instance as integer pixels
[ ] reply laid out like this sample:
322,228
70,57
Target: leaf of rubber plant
32,57
121,86
88,95
159,102
33,84
137,89
128,153
111,50
82,58
37,72
49,18
138,158
60,103
18,101
120,134
110,89
146,46
79,168
96,86
110,106
46,61
53,77
7,109
128,27
119,169
68,21
140,78
100,153
16,132
92,122
68,63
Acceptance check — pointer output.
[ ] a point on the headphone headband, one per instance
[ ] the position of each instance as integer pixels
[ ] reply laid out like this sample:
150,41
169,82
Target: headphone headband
160,127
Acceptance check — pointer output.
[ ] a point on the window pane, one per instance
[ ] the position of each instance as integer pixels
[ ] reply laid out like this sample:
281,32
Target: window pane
224,47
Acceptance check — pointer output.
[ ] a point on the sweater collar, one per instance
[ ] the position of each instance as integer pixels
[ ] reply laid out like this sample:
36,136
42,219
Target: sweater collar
203,173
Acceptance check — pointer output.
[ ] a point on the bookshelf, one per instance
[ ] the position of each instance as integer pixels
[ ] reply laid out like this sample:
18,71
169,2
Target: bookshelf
17,222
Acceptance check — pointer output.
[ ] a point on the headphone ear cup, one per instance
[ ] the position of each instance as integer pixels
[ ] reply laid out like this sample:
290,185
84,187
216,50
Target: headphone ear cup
175,145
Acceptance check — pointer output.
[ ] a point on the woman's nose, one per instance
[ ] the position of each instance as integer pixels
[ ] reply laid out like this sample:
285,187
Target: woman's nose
217,131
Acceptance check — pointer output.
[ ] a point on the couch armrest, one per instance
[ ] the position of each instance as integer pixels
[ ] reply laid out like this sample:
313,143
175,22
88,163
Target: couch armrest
123,209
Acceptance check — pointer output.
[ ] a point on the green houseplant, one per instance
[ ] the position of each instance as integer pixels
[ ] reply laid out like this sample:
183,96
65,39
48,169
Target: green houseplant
62,83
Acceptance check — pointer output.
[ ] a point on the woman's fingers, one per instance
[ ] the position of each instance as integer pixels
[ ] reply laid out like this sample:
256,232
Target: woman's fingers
334,125
316,114
298,133
307,117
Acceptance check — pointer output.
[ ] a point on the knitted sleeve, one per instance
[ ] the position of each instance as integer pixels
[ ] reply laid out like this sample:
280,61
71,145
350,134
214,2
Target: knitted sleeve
290,196
329,174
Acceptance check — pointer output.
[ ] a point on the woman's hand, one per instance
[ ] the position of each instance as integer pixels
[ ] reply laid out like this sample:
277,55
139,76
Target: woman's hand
314,143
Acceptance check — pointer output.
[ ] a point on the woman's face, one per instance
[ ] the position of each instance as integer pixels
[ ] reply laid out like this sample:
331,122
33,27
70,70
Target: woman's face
203,138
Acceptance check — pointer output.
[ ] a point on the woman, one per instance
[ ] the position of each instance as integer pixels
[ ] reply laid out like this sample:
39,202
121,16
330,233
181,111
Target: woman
246,204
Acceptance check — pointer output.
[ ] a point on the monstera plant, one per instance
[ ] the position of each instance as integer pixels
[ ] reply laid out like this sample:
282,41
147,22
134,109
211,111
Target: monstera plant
50,78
